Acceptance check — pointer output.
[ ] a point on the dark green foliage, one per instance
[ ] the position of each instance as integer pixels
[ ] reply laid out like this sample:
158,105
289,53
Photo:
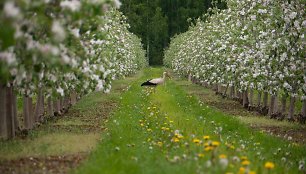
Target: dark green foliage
155,21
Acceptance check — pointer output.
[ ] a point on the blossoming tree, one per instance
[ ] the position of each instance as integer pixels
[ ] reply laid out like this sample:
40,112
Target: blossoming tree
58,51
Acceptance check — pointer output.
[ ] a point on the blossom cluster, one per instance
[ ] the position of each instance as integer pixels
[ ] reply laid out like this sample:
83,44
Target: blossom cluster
66,46
252,44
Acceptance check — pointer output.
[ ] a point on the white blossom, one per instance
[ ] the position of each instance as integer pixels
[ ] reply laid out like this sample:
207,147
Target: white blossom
60,91
58,31
73,5
10,10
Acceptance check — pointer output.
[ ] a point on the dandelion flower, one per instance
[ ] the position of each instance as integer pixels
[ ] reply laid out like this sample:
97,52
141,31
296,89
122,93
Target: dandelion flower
209,148
215,143
160,144
244,158
175,140
241,170
206,137
200,155
245,162
196,140
222,156
269,165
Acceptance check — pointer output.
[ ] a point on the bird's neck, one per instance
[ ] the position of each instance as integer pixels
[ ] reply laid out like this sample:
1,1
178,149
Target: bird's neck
164,76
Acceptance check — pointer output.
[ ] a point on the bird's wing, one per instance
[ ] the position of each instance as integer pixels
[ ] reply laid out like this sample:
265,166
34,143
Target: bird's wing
148,83
156,81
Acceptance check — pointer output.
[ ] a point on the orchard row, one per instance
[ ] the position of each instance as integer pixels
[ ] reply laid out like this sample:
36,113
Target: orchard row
252,47
58,49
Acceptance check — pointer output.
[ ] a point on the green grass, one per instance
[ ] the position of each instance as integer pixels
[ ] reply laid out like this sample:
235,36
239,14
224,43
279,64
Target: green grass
49,144
140,137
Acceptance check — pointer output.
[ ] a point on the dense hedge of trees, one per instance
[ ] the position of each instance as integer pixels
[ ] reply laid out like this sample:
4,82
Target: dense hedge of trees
252,47
155,21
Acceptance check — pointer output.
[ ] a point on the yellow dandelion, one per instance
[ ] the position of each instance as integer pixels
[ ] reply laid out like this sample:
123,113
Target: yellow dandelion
269,165
245,162
175,140
208,148
241,170
160,144
200,155
206,137
244,158
222,156
180,136
215,143
141,124
196,140
252,172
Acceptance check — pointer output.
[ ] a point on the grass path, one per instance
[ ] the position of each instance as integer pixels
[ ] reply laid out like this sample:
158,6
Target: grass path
170,131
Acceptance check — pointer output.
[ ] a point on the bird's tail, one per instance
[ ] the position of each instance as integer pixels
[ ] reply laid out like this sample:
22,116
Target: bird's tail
147,83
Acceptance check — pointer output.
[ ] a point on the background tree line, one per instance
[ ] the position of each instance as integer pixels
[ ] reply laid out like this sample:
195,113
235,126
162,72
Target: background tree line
156,21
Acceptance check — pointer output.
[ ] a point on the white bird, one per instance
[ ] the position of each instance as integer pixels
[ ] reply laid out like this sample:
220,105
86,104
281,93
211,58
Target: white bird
156,81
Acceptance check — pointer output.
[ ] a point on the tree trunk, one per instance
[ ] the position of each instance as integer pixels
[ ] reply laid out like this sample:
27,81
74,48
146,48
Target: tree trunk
15,116
271,107
259,99
62,104
50,107
39,109
251,98
225,91
3,126
303,111
68,102
265,100
276,105
291,108
189,77
283,109
26,113
219,90
245,100
9,113
55,107
36,114
239,95
31,111
73,98
232,92
42,105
